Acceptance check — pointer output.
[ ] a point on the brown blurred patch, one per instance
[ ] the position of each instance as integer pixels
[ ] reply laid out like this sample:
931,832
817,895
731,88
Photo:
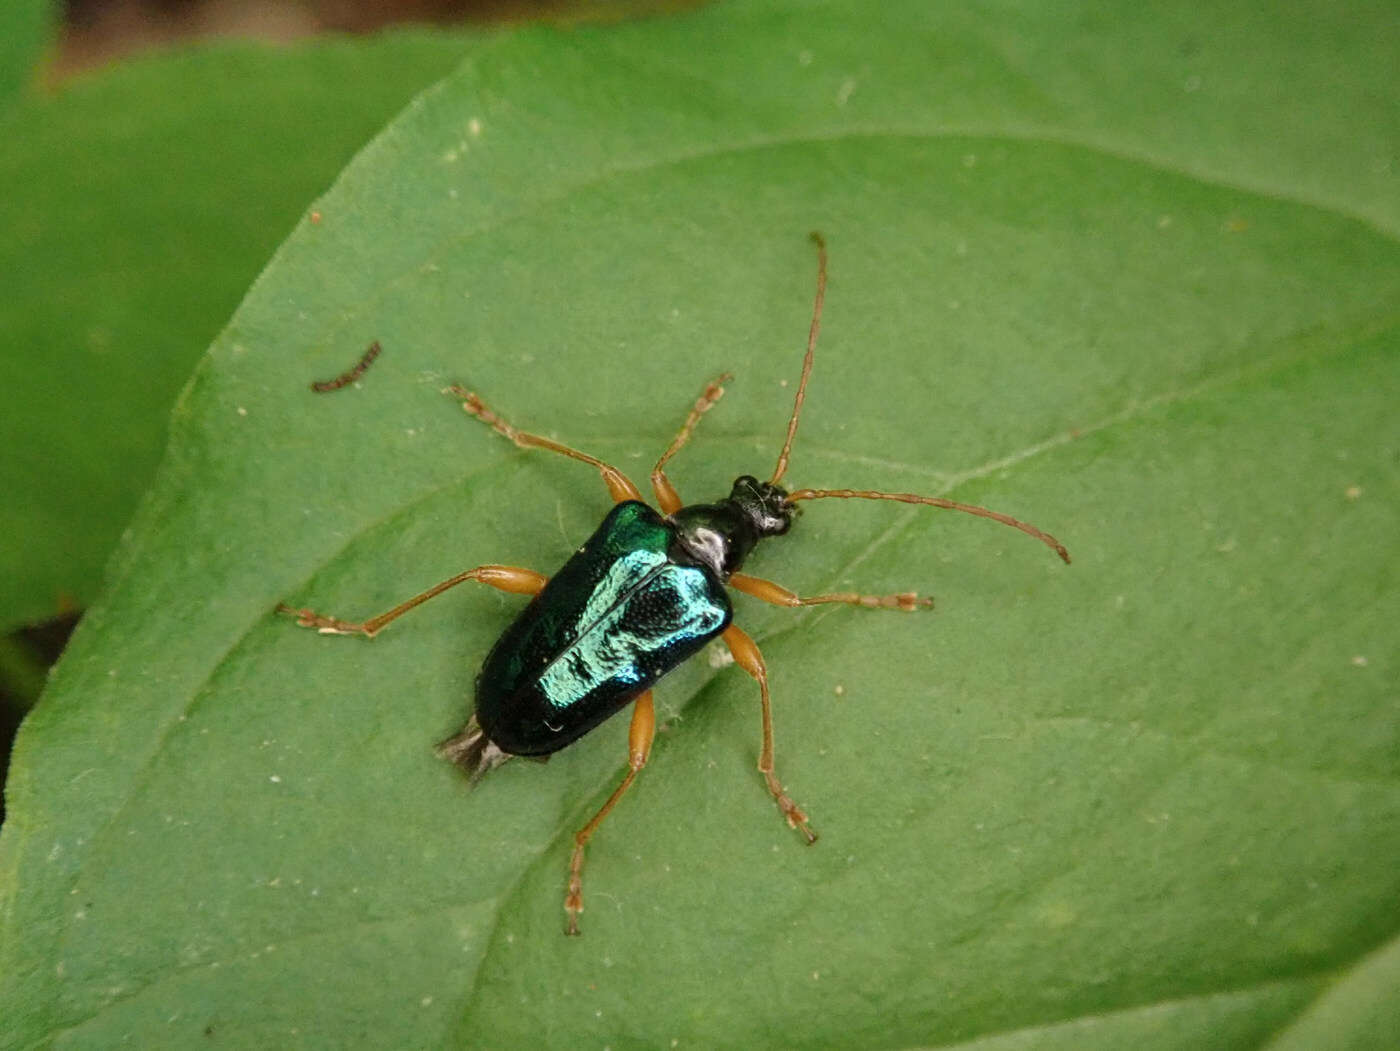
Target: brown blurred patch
95,32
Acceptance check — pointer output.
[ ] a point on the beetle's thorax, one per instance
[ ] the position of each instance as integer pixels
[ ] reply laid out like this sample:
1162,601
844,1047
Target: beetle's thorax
721,535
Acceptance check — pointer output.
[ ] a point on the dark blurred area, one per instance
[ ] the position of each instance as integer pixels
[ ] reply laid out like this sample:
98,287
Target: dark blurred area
97,31
25,659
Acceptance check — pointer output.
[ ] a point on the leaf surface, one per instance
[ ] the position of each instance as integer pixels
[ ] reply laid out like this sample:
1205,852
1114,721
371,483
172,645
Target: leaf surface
1148,799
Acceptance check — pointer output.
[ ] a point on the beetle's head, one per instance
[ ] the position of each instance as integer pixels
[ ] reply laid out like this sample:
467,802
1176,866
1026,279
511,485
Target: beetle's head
764,504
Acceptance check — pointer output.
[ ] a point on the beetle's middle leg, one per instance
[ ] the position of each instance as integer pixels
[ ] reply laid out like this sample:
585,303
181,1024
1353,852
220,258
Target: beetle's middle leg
666,496
768,591
639,738
747,656
511,579
619,485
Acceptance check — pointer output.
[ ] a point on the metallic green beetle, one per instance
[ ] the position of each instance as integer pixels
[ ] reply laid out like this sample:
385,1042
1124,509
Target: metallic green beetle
644,593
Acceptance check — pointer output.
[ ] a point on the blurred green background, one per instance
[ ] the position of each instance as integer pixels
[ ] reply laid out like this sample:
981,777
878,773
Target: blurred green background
135,218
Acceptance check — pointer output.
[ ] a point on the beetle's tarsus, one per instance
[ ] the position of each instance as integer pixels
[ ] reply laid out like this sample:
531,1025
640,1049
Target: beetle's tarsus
324,625
573,900
793,813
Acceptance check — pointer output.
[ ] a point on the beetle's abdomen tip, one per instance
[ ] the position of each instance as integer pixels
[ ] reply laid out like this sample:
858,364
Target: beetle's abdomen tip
473,751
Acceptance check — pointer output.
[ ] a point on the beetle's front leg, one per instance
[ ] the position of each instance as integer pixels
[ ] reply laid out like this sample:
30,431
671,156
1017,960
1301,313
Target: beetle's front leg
620,487
639,738
666,496
746,655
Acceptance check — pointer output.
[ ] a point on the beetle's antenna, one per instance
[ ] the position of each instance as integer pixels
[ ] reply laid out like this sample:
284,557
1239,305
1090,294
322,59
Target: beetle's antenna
934,501
807,361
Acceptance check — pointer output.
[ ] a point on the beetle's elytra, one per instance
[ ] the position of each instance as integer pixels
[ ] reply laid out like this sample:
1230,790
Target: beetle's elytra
646,591
619,615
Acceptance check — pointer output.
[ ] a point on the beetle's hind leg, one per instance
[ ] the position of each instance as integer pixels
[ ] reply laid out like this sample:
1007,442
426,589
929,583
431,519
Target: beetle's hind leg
747,656
619,485
511,579
768,591
639,738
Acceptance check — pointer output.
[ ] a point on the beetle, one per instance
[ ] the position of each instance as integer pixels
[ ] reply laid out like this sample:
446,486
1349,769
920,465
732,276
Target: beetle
645,592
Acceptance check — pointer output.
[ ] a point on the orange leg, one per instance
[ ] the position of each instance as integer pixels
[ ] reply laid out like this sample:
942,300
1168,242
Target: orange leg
746,655
666,496
512,579
619,485
905,601
639,739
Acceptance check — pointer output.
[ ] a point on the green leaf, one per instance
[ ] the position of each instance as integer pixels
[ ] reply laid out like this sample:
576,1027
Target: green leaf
25,29
136,213
1083,271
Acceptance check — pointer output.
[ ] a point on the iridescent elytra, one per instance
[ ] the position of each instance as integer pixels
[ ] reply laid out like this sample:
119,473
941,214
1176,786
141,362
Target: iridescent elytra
646,591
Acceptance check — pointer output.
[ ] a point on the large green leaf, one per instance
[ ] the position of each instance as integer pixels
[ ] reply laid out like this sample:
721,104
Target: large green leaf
136,211
1082,270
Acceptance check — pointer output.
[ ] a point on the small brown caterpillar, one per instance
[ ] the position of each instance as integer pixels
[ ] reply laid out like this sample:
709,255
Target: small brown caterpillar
347,378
